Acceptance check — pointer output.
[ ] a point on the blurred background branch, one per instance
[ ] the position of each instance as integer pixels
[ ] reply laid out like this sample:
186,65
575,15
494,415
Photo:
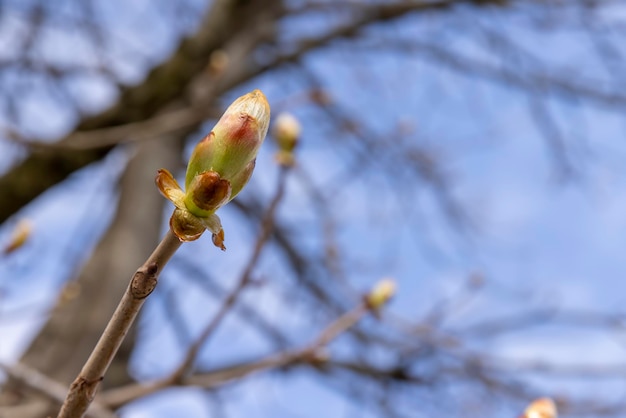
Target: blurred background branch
432,136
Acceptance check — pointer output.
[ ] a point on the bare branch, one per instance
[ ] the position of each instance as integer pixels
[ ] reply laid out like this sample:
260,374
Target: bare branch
227,305
83,389
50,388
309,354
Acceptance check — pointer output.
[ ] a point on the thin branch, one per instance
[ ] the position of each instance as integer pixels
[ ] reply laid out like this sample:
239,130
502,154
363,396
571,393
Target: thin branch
549,128
246,311
146,101
83,389
174,316
549,369
153,127
161,90
309,354
531,81
367,15
186,365
537,318
50,388
244,281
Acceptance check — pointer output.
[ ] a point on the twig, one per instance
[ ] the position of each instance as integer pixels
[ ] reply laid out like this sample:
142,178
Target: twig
246,311
50,388
149,128
245,279
83,389
124,395
309,354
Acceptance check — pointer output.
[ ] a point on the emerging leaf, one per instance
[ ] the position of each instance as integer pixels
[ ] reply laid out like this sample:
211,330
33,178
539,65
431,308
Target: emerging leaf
234,141
219,167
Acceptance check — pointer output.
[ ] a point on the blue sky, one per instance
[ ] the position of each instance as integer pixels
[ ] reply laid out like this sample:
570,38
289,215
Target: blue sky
537,239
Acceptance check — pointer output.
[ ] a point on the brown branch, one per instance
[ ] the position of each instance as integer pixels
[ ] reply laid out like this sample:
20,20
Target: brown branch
48,387
536,318
165,123
531,81
244,281
167,86
83,389
366,15
229,302
170,81
558,371
246,311
61,347
309,354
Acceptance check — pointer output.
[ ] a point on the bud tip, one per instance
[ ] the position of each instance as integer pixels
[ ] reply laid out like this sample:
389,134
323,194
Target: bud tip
381,294
21,233
541,408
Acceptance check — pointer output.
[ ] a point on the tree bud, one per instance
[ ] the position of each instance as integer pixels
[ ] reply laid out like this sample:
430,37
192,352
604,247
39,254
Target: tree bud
21,233
219,167
234,141
541,408
287,131
381,294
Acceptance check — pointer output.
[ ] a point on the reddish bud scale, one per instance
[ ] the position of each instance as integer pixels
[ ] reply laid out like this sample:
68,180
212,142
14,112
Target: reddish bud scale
234,141
207,192
186,226
220,166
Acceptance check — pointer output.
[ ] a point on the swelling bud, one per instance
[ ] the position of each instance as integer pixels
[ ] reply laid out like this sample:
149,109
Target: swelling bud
541,408
220,166
286,133
381,294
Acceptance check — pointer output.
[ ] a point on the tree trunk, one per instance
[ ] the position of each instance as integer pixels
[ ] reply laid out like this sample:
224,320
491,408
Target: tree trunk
80,315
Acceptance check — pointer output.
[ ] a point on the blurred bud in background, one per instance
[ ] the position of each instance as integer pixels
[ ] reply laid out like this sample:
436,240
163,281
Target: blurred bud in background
19,237
381,294
541,408
287,133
